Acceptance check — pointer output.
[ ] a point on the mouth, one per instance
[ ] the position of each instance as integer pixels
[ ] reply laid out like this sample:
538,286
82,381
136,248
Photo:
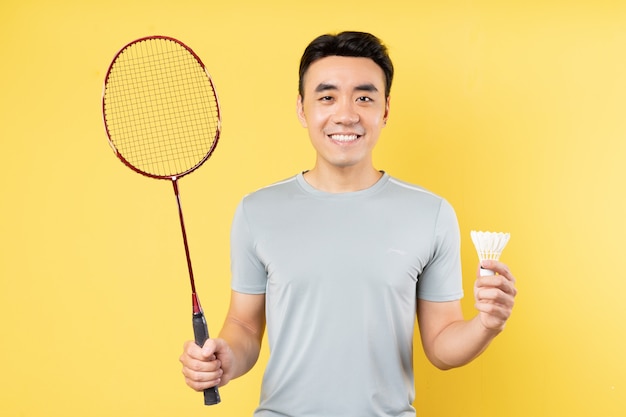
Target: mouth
344,138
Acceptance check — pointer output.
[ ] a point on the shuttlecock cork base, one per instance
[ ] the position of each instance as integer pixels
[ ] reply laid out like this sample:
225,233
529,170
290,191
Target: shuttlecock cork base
489,246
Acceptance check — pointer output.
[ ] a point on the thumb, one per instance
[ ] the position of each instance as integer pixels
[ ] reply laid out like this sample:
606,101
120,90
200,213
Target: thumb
209,348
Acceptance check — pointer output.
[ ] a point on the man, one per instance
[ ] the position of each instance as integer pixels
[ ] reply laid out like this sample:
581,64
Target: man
339,259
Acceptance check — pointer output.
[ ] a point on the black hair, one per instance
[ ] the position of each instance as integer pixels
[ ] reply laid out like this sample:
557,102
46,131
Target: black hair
348,44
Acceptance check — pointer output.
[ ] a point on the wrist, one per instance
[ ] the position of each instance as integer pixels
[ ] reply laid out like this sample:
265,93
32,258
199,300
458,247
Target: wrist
488,328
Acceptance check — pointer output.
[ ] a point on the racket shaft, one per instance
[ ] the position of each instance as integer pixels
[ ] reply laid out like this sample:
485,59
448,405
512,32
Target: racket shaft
201,334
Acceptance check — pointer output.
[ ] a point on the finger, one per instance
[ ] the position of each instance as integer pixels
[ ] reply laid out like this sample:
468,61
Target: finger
495,296
194,365
201,374
495,311
202,370
192,351
209,349
497,281
499,268
202,380
492,309
505,282
195,359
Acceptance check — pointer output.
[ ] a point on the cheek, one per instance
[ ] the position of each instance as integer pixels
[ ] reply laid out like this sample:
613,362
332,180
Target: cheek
315,119
375,122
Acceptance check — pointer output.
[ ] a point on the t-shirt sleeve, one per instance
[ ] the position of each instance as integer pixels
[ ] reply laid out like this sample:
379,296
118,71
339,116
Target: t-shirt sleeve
248,272
441,280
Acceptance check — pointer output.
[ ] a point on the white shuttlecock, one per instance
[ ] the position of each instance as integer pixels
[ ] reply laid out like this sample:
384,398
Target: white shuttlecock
489,245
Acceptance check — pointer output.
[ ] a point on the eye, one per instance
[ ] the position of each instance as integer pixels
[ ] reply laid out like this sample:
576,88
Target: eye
364,99
325,98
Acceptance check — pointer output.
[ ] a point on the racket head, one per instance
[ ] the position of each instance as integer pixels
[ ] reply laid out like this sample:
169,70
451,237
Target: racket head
160,108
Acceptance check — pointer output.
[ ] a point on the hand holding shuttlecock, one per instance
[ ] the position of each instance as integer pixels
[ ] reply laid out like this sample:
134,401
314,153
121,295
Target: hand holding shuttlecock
489,246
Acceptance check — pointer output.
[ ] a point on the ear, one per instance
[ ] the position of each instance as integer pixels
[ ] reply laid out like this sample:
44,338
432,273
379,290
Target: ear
300,111
386,115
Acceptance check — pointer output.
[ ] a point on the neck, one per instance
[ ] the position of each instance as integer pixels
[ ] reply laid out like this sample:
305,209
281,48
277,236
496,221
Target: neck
342,180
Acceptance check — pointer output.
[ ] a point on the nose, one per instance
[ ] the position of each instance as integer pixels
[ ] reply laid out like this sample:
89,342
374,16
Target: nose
346,113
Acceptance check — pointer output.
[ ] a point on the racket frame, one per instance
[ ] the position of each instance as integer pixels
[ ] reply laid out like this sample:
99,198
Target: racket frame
175,176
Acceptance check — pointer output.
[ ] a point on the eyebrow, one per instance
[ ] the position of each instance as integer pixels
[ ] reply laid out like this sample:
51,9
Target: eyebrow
361,87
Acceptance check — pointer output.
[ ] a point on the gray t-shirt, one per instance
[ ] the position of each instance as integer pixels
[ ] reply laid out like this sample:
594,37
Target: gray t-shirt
341,274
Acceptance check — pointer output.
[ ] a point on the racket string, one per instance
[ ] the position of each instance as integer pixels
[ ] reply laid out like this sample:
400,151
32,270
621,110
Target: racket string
161,116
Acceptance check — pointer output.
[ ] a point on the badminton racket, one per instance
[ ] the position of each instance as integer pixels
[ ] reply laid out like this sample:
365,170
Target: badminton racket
162,119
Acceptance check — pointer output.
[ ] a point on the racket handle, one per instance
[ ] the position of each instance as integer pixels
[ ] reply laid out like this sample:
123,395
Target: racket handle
201,334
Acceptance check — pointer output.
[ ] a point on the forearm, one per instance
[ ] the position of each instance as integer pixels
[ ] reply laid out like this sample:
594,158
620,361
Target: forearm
451,341
245,344
460,343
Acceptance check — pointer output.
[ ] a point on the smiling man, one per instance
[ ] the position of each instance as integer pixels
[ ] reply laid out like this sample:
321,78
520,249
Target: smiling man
338,261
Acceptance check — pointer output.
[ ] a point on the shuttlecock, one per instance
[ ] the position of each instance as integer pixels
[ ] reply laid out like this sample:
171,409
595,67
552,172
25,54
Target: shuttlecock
489,245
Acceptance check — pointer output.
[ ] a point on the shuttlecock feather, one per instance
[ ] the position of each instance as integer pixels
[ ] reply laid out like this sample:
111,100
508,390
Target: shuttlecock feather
489,245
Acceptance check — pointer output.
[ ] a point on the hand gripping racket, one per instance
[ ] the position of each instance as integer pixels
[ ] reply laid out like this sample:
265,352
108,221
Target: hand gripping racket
162,118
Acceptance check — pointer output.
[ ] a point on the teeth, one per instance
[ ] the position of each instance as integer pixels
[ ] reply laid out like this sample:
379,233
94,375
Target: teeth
344,138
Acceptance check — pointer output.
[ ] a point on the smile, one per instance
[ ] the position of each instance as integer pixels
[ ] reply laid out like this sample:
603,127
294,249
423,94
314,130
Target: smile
344,138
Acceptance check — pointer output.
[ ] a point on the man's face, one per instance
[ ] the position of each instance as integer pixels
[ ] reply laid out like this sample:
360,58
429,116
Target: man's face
344,109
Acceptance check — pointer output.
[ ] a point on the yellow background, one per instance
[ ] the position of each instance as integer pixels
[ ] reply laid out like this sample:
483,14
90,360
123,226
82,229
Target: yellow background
514,111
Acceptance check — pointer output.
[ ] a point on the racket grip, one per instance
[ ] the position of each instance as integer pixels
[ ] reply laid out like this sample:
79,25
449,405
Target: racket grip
201,334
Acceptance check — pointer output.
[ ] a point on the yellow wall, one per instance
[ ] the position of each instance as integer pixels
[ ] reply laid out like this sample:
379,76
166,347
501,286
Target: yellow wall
514,111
